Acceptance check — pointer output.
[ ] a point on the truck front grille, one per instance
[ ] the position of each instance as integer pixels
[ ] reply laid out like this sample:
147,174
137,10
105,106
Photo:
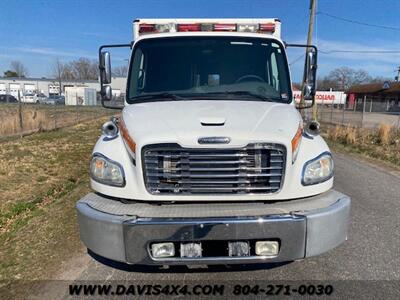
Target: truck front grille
254,169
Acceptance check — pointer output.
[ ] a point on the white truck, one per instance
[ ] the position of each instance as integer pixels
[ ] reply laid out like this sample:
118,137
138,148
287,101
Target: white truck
209,161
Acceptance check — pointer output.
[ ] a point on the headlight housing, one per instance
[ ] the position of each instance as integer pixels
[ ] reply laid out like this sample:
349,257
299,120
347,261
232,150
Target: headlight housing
318,170
106,171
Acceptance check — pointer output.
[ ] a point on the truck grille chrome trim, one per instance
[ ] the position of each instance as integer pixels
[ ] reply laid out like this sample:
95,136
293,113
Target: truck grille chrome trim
255,169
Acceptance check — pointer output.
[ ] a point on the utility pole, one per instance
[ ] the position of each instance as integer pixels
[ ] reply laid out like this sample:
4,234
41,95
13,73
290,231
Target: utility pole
313,5
397,78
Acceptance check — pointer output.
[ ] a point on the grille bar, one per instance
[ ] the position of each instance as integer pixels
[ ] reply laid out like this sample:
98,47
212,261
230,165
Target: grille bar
171,169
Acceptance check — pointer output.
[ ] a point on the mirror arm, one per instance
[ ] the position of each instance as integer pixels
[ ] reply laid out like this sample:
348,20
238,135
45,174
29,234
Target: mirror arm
102,68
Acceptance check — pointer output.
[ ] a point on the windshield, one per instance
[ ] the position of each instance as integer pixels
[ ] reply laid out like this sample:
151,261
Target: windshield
187,68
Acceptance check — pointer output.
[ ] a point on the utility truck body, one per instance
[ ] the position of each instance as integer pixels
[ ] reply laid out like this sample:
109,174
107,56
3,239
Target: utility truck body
209,161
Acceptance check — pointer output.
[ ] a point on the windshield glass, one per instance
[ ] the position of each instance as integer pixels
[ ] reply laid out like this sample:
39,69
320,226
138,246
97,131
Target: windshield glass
204,67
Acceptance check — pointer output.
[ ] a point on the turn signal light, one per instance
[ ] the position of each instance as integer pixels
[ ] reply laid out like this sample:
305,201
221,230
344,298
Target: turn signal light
296,142
127,138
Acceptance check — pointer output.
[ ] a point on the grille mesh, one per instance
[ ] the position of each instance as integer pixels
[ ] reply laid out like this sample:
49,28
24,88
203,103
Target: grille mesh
255,169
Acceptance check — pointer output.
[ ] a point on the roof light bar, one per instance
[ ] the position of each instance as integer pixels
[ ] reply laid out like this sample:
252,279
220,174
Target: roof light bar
186,27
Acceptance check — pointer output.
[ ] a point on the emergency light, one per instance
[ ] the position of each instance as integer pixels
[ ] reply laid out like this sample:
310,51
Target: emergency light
145,28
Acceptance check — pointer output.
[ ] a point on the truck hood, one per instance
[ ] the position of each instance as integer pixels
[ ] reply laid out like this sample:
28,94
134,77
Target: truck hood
184,122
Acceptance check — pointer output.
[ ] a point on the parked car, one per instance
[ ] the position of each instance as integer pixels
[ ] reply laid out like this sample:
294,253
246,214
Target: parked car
54,100
34,98
8,99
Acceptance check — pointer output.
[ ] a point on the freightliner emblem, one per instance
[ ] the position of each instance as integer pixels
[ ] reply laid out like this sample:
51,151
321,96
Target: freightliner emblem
214,140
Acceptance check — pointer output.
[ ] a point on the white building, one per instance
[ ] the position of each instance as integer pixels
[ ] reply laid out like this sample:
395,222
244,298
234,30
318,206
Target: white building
49,86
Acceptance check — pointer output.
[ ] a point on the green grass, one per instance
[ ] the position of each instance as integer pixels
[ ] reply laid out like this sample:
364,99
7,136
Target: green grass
41,178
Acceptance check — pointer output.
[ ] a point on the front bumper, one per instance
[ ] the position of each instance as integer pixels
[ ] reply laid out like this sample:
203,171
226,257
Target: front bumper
124,231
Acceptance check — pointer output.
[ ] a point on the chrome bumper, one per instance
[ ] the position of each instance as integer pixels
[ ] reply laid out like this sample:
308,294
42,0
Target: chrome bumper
124,232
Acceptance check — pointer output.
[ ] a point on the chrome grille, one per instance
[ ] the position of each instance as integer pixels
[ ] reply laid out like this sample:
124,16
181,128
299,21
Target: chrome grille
255,169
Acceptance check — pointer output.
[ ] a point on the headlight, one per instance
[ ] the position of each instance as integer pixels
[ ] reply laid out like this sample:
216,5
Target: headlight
106,171
318,169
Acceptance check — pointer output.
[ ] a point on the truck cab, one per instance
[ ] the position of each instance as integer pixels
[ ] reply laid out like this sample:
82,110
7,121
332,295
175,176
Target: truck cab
210,161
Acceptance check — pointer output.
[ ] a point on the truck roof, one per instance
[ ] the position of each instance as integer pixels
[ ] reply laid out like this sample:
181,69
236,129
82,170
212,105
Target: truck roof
265,26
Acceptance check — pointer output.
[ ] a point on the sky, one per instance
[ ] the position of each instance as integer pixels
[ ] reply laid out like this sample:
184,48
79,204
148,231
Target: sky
37,32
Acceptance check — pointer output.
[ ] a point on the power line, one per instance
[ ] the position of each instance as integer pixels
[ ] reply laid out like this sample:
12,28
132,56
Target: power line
357,22
359,51
296,59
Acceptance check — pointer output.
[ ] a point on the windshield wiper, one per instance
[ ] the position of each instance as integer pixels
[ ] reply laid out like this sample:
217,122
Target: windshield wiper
158,96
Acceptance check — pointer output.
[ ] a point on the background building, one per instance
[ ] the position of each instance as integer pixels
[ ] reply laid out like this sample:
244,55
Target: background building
375,97
47,86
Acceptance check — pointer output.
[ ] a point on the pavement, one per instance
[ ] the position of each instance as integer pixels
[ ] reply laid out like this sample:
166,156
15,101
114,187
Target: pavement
367,265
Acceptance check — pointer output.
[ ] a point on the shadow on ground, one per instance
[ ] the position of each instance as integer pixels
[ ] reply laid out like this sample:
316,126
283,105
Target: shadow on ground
183,269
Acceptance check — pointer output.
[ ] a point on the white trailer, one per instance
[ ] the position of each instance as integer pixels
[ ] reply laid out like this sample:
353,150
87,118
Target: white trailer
29,88
3,89
14,88
80,96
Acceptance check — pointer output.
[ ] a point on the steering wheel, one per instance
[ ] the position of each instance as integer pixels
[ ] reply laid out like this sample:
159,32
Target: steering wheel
249,76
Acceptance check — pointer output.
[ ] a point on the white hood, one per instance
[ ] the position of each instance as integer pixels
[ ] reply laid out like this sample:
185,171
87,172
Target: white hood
181,122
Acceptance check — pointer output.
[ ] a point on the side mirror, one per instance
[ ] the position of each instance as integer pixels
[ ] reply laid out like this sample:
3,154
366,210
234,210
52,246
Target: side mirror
105,67
105,74
310,74
107,93
310,78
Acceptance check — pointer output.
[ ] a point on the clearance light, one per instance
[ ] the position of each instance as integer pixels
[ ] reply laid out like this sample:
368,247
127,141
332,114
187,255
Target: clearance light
127,138
189,27
268,27
267,248
224,27
296,143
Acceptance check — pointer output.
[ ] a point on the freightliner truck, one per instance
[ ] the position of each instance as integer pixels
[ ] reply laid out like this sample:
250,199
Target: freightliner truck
209,161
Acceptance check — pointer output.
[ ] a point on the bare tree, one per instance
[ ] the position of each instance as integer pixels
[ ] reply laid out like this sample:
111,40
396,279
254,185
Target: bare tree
19,68
58,72
120,71
84,69
68,72
344,77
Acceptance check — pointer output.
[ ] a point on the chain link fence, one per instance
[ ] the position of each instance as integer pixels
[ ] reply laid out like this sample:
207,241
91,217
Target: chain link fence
19,119
368,112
